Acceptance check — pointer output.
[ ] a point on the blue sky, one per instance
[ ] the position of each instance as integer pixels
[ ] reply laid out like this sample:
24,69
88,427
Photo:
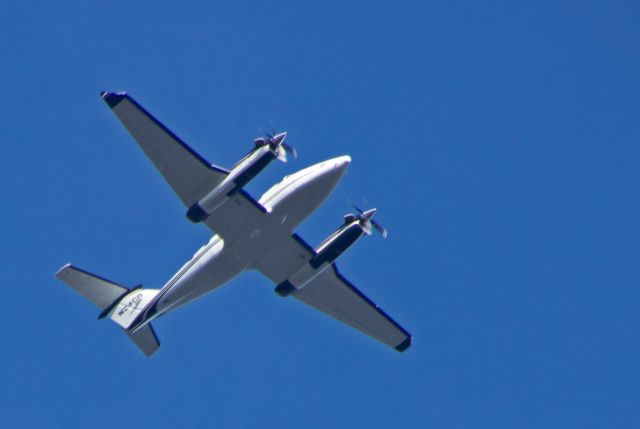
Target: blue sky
499,141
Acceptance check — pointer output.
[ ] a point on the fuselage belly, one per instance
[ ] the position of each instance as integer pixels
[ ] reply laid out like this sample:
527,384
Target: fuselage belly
287,204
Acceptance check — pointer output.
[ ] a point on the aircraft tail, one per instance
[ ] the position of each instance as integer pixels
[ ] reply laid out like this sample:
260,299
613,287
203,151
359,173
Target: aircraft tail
146,340
120,304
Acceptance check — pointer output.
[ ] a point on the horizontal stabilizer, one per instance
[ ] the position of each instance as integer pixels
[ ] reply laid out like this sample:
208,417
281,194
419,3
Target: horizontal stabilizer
146,340
98,290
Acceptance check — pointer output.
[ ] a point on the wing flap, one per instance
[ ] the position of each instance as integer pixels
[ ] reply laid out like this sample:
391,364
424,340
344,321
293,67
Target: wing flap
334,295
190,175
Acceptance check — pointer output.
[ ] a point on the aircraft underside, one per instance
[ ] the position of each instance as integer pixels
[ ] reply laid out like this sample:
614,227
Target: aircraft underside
248,235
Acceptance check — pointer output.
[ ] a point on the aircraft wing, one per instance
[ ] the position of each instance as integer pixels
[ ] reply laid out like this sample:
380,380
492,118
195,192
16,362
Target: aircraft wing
190,176
334,295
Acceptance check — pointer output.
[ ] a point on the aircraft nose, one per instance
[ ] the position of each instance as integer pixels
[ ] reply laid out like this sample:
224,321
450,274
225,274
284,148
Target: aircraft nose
342,162
335,168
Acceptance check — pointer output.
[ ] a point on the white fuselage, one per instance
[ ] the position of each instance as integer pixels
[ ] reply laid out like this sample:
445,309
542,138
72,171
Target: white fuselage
287,204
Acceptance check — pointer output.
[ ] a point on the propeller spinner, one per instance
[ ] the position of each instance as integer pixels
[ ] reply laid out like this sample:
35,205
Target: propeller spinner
367,221
277,145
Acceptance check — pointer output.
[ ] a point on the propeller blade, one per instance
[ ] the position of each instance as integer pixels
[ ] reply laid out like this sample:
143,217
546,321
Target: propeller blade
367,215
277,144
282,154
381,229
290,149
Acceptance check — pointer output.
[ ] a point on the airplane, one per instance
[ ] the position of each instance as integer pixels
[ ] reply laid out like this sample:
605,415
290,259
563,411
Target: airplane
248,235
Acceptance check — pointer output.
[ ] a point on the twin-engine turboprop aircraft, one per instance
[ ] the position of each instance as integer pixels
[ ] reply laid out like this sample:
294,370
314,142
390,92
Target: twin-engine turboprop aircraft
249,235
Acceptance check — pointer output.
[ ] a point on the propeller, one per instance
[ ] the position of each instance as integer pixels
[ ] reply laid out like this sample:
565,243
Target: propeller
367,221
276,144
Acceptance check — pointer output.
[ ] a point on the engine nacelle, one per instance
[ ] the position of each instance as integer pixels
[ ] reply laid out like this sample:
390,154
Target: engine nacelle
330,249
241,174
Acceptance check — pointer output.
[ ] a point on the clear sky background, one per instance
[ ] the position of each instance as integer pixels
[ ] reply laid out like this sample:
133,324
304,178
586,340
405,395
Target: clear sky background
499,141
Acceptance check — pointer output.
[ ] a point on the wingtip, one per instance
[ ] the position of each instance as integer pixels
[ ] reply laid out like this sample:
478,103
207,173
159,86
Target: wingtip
62,270
404,345
285,289
113,98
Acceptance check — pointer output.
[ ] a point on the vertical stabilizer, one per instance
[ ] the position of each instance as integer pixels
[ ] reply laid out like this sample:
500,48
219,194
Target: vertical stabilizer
146,340
129,307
